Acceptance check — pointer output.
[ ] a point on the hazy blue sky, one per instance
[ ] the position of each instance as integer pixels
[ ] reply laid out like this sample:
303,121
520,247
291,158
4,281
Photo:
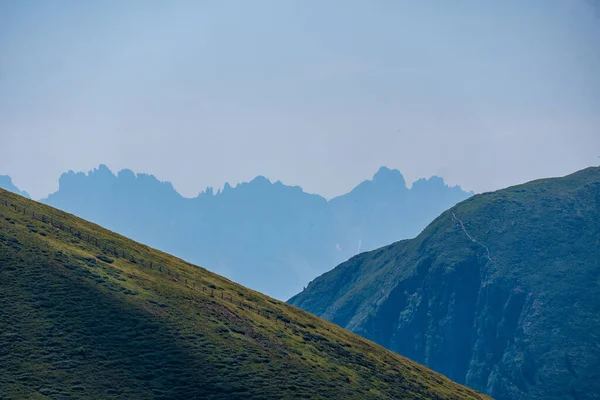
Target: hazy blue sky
315,93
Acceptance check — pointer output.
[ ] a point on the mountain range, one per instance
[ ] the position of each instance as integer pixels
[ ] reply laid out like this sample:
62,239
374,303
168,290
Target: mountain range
86,313
265,235
501,292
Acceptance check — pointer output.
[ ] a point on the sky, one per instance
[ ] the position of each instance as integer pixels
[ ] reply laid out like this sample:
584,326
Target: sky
483,93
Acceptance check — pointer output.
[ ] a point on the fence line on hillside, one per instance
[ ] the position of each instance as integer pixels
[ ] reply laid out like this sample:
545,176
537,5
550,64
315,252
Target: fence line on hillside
109,248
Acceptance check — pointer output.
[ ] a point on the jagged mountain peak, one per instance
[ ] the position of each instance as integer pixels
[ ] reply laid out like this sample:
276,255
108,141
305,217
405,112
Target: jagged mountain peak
102,178
386,176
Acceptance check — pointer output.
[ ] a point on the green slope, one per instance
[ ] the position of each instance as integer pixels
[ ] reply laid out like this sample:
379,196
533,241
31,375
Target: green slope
501,292
86,313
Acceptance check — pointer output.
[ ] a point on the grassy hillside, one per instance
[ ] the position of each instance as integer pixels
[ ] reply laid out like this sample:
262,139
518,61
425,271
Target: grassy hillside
501,292
86,313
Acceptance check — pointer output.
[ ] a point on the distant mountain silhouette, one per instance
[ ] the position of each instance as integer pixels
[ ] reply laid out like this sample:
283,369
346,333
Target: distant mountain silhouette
268,236
7,184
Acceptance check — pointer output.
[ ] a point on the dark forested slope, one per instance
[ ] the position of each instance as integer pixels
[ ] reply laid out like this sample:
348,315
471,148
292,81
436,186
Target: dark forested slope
501,292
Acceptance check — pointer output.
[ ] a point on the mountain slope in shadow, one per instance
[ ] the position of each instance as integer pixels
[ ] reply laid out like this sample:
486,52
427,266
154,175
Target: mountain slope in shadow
501,292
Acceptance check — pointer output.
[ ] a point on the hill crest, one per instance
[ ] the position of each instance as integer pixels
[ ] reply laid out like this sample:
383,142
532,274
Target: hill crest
500,292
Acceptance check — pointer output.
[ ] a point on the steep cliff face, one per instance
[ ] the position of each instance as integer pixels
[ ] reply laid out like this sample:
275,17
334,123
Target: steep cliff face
501,292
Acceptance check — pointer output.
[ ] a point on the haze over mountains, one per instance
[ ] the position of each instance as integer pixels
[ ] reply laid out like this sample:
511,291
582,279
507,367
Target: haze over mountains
501,292
266,235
